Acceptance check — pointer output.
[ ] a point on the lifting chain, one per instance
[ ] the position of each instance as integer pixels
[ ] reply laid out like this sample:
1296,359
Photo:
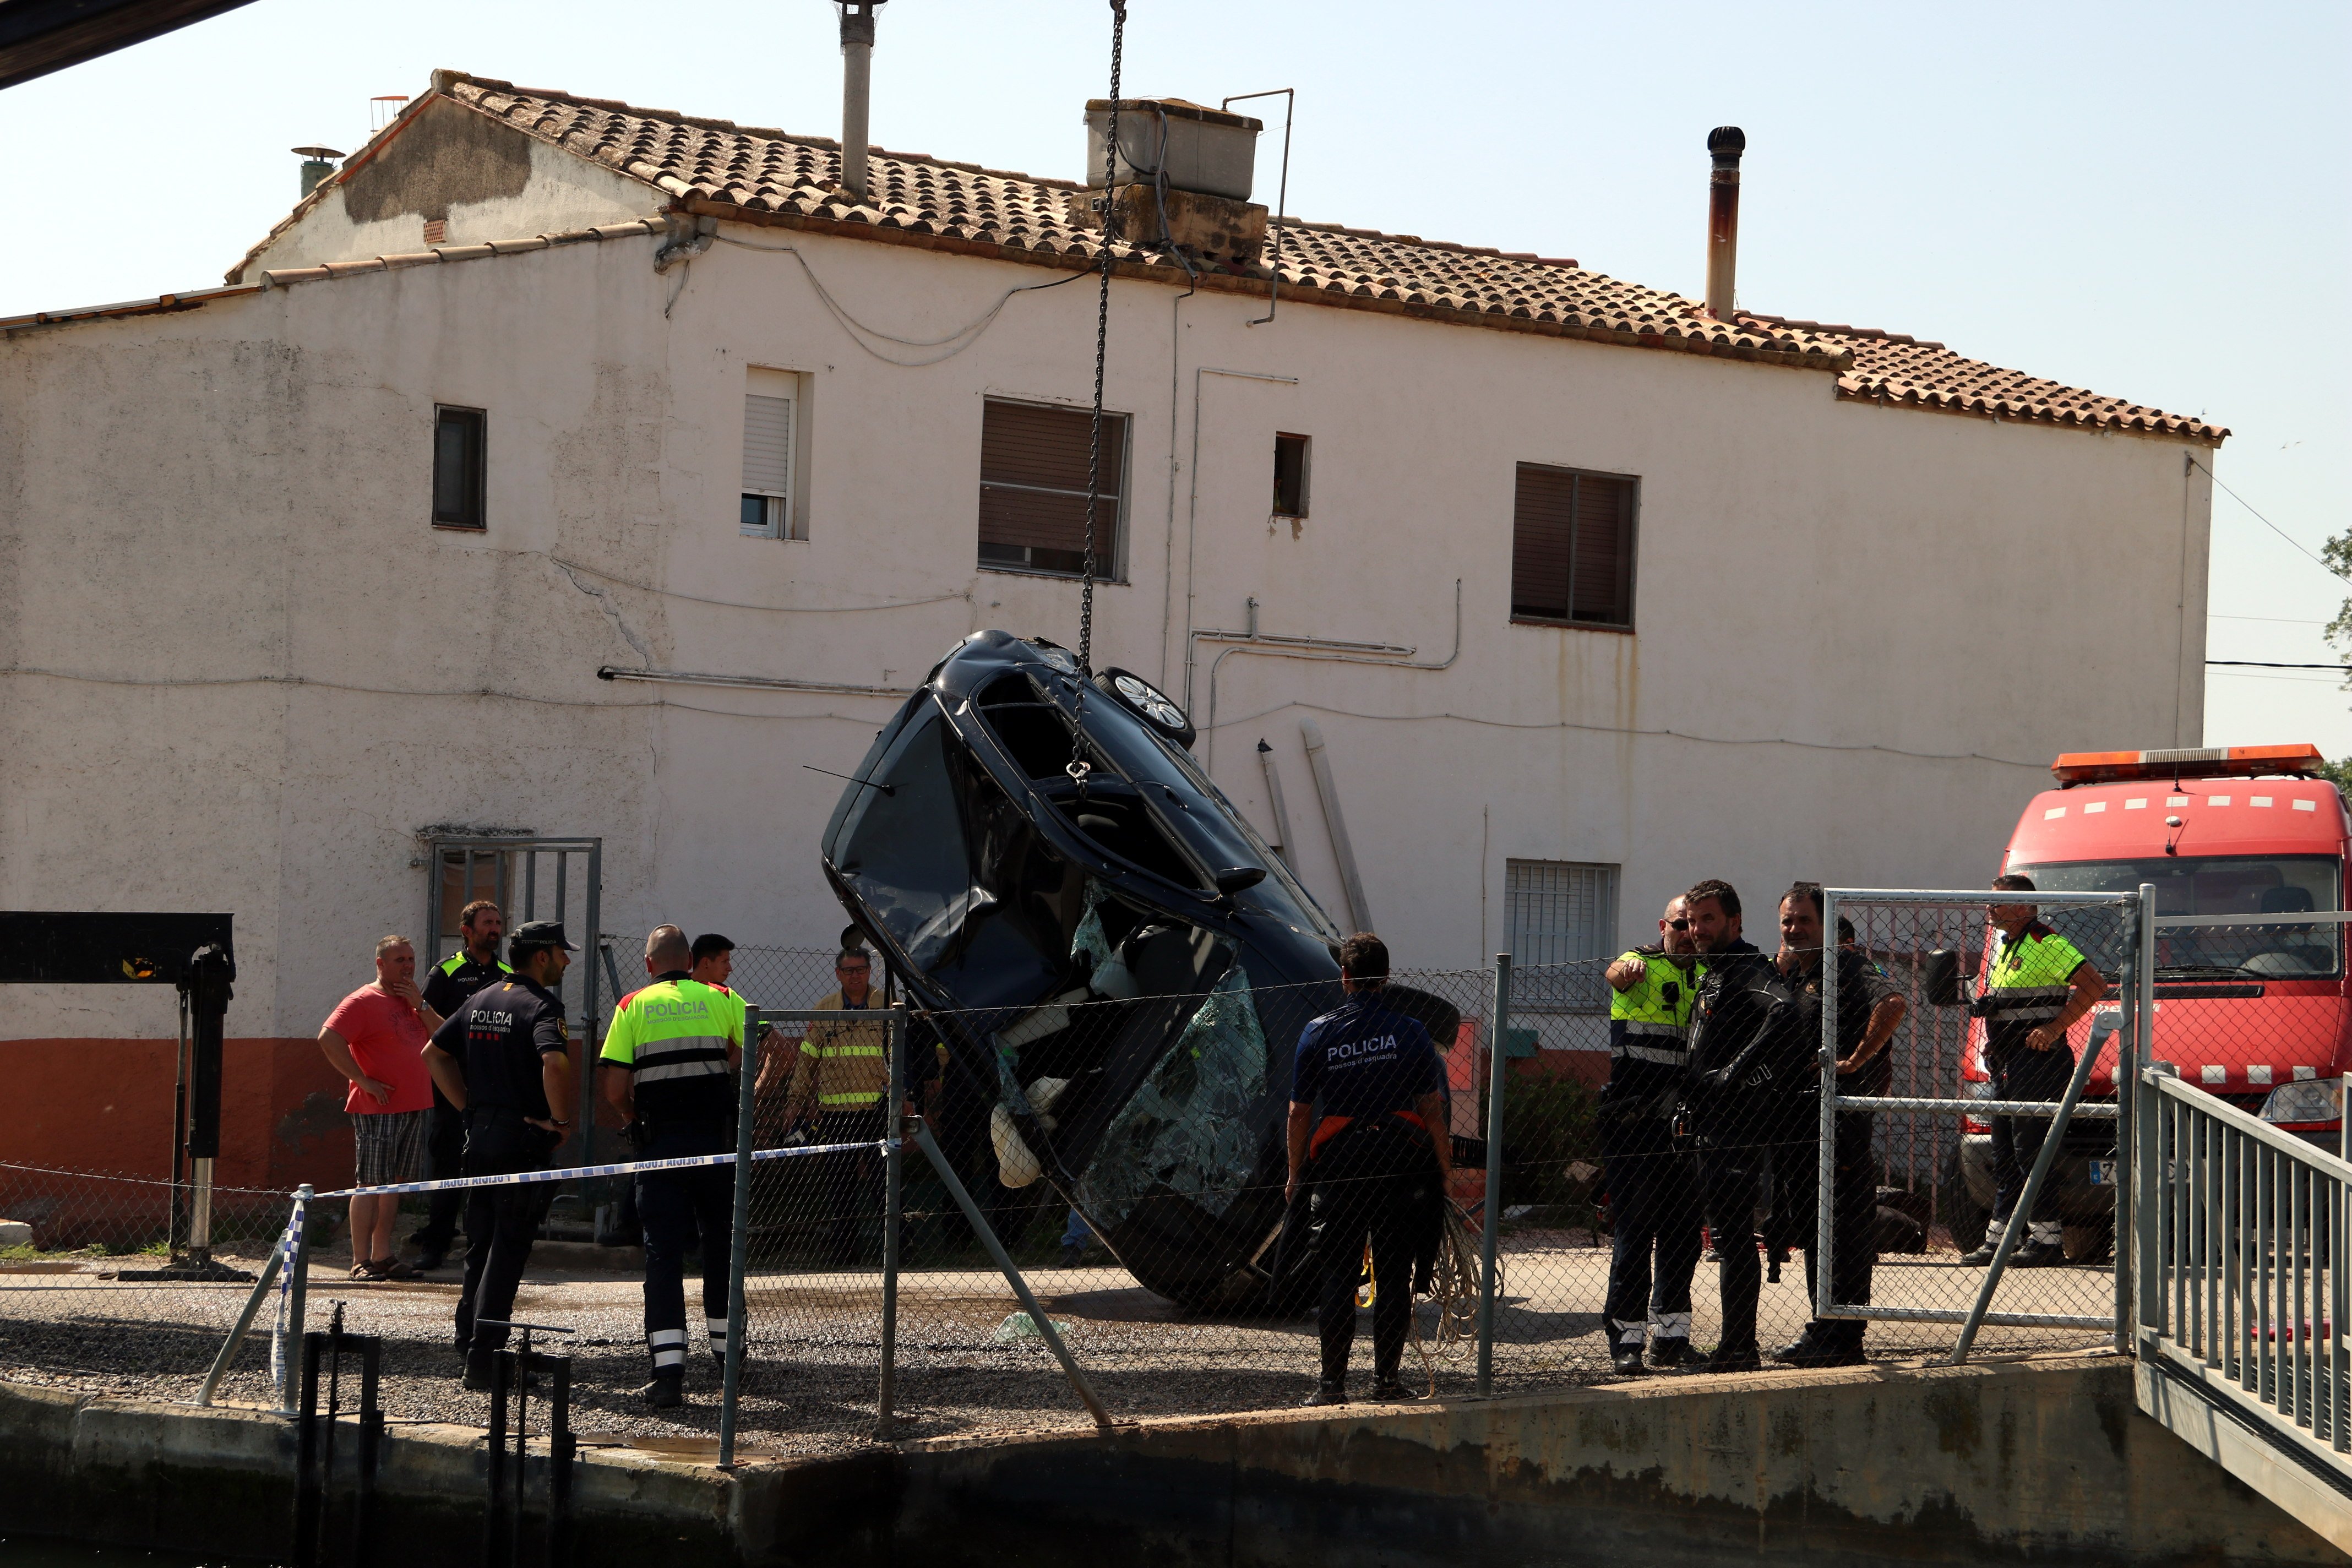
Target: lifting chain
1078,767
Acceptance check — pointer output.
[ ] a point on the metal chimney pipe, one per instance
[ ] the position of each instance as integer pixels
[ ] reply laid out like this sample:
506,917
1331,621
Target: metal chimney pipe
1726,143
857,79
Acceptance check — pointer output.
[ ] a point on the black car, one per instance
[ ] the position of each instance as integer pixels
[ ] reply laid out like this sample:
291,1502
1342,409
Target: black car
1115,958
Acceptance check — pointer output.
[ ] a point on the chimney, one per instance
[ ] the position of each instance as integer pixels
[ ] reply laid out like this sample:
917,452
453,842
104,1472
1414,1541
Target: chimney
856,77
1726,143
318,163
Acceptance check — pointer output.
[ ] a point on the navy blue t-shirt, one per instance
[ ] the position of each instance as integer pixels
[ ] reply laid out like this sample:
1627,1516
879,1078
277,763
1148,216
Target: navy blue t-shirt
1362,1059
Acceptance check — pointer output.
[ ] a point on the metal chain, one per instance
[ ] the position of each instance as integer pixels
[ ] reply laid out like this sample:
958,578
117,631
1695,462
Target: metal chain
1078,767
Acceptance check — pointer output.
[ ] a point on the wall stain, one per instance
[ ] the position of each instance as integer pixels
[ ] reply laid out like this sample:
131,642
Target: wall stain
449,157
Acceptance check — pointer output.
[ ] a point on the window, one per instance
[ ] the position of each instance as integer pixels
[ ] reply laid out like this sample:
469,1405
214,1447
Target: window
1572,548
772,405
459,464
1033,488
1561,919
1290,476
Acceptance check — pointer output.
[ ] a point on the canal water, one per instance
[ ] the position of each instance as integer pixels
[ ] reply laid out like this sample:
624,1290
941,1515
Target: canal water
36,1552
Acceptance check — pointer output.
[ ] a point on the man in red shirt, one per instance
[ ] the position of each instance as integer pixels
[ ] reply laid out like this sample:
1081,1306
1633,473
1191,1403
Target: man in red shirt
376,1038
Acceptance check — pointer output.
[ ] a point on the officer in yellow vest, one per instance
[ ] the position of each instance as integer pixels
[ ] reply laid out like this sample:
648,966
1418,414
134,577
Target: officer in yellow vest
474,966
1653,1197
666,1064
843,1076
2036,989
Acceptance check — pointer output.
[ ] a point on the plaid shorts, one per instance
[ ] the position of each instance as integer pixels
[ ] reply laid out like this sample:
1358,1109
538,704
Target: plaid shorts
391,1145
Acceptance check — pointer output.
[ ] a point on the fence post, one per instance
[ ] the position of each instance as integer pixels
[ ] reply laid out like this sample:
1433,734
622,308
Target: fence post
2148,1144
893,1183
1825,1180
1498,1063
297,1283
739,1251
2127,1085
259,1294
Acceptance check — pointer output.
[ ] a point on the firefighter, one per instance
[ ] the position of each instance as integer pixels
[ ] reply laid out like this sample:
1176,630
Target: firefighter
1745,1052
1653,1204
2034,991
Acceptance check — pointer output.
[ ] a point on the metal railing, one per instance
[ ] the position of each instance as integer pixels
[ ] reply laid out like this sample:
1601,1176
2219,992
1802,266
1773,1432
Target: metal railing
2241,1289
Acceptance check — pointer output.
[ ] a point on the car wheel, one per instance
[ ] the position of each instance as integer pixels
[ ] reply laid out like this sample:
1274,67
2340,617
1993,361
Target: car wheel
1148,703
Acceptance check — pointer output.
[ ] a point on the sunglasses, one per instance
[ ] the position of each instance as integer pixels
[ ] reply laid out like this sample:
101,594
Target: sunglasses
1679,925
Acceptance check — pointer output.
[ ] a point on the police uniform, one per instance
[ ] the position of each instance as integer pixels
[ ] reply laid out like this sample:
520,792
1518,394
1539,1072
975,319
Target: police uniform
451,982
1747,1066
844,1071
1653,1201
1854,1164
499,1037
1371,1173
2027,986
672,1037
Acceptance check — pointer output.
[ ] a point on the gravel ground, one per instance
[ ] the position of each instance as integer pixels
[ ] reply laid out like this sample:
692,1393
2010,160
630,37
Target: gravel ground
809,1386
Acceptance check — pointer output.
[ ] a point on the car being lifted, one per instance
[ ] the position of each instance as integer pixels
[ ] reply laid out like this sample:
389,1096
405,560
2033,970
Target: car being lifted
1109,951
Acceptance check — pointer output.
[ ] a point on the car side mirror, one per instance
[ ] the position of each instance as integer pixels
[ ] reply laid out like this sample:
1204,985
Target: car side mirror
1233,879
1939,977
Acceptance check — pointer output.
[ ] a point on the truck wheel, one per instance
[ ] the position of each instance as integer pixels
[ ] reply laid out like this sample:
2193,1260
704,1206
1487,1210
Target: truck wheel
2089,1242
1958,1212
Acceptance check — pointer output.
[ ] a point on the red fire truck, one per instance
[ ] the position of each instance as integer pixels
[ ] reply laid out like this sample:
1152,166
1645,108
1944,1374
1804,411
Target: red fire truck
2254,1013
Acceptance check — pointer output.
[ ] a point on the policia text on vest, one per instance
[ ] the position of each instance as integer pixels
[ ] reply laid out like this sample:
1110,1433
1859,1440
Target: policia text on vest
665,1062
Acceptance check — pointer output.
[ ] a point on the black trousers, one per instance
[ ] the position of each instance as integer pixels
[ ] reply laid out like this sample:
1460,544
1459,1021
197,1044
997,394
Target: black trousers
1349,1212
680,1209
444,1158
1734,1175
500,1222
1854,1224
850,1188
1654,1208
2021,1074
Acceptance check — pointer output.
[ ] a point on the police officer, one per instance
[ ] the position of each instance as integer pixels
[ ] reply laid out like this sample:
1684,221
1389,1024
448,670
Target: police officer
455,978
1653,1201
2036,989
504,1059
665,1061
1869,1012
1369,1135
1744,1053
840,1079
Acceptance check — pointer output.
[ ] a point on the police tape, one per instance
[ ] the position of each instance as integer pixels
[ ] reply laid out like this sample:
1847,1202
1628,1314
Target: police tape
578,1172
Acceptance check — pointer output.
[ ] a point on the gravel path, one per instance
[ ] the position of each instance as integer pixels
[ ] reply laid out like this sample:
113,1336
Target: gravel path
964,1366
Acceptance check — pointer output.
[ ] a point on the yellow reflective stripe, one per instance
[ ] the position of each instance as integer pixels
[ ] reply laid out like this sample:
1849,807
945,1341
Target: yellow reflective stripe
868,1098
828,1052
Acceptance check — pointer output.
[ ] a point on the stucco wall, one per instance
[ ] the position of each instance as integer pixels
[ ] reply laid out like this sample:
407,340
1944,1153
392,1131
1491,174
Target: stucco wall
236,497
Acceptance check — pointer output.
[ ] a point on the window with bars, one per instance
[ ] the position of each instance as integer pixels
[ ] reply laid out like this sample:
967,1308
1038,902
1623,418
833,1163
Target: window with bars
1572,548
1561,920
1033,488
771,431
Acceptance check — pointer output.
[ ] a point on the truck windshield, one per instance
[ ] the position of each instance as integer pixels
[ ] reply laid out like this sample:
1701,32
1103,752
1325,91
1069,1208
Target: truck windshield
2211,885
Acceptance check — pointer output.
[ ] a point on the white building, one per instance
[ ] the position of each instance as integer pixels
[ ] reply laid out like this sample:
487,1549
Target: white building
1839,596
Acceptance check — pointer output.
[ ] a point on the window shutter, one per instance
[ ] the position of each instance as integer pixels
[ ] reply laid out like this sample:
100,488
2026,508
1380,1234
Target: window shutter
1572,546
1033,485
767,446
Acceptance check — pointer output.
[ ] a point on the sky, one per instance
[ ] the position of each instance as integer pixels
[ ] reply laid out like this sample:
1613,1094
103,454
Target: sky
2146,200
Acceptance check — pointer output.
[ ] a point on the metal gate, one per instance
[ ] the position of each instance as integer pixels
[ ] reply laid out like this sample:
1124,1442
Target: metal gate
531,879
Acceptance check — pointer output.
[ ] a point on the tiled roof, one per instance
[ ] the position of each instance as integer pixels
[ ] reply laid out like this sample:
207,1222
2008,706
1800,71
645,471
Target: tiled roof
716,167
767,175
1891,368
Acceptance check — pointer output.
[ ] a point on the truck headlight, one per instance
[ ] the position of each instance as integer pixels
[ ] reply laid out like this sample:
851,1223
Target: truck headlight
2305,1101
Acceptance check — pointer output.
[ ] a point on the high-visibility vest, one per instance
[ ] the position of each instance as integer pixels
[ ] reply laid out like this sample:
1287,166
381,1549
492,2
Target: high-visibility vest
2029,982
673,1035
1649,1021
844,1064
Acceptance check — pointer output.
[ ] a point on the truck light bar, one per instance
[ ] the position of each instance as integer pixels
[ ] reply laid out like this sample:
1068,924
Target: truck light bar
2187,762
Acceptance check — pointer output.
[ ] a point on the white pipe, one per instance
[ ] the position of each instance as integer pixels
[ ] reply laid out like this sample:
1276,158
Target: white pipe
1192,503
1283,846
1319,761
